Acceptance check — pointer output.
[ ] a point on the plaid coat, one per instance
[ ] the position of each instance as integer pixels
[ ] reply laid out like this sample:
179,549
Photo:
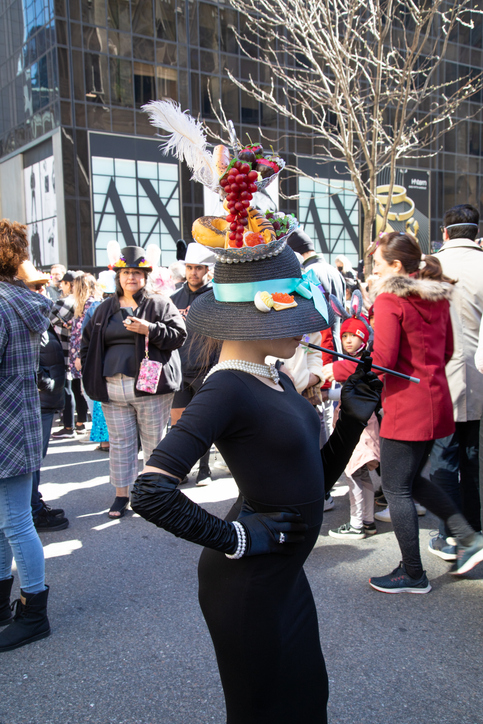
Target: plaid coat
23,318
61,316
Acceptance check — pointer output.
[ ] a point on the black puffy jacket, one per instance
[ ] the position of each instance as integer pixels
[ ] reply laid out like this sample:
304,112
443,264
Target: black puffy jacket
51,375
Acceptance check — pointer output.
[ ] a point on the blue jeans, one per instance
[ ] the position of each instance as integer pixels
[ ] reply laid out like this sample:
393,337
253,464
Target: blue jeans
47,419
455,468
18,536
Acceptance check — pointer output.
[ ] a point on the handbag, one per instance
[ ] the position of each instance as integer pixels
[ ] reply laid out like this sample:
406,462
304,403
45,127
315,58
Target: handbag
313,394
149,373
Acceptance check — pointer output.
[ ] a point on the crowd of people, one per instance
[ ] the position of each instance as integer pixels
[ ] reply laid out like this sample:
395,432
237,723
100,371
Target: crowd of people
143,349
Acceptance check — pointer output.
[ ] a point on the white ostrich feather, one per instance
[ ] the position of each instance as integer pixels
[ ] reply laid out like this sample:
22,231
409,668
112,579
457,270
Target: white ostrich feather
113,251
186,139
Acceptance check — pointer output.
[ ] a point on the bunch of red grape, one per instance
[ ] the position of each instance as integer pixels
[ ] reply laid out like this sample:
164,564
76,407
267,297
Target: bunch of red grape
239,186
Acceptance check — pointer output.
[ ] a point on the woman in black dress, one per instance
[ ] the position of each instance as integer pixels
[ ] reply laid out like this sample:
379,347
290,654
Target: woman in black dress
253,590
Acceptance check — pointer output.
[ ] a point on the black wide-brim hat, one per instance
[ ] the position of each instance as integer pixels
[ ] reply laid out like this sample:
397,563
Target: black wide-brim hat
242,320
132,257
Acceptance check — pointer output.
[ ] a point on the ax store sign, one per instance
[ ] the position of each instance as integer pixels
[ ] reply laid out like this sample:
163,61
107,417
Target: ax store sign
135,199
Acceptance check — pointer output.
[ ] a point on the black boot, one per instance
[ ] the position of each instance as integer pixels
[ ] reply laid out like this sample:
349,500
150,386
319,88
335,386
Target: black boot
30,621
6,615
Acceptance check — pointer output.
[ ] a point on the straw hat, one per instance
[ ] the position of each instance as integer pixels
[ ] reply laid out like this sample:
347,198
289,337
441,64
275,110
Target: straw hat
29,274
230,311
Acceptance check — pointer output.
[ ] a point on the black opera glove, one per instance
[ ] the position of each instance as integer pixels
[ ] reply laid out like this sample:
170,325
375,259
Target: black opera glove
361,393
157,498
264,530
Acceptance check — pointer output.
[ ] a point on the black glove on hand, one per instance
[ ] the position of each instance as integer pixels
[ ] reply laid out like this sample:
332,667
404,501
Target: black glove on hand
264,529
361,393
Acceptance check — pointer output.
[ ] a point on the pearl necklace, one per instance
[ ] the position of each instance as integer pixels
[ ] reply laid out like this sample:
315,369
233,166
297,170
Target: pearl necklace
251,368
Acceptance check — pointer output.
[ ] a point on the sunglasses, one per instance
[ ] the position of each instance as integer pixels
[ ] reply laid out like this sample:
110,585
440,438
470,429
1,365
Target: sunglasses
36,287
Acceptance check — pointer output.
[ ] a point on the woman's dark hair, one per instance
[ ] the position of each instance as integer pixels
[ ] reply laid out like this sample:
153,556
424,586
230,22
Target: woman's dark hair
397,246
458,215
119,289
209,351
13,248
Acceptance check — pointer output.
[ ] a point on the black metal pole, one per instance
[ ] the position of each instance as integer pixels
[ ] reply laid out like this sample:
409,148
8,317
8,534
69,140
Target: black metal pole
361,361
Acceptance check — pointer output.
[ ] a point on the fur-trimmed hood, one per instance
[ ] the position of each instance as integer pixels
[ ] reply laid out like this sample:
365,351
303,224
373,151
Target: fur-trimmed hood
406,286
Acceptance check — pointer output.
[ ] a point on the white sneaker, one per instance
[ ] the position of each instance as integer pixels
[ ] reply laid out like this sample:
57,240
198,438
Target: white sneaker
420,509
329,503
85,439
384,516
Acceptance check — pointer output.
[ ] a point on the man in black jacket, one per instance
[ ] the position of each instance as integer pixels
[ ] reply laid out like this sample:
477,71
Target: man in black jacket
198,262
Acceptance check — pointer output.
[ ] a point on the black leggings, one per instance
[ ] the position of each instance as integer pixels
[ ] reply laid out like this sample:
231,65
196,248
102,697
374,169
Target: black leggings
401,464
80,401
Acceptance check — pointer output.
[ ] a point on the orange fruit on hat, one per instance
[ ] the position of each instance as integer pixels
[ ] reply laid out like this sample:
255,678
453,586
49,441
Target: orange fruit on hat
253,239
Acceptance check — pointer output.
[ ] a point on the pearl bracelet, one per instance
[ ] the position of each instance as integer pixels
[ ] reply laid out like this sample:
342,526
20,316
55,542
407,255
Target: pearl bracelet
242,541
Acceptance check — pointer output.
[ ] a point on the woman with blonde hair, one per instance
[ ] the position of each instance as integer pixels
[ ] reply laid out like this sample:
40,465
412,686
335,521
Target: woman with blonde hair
85,292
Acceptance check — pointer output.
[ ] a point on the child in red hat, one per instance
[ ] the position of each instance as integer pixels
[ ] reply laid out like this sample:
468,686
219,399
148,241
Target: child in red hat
355,335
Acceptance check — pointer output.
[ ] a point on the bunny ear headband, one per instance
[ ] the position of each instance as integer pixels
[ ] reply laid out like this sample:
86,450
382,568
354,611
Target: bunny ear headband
356,310
338,308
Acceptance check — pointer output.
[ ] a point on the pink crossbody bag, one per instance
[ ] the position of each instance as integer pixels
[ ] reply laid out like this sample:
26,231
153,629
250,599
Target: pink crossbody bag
149,373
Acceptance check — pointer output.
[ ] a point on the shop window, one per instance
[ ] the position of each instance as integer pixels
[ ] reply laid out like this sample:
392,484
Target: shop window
249,109
96,78
94,12
144,83
165,12
118,16
121,82
228,42
143,49
208,26
167,83
167,54
142,17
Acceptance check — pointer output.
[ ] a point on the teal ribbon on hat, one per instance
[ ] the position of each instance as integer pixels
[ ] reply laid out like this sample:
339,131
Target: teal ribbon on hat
308,286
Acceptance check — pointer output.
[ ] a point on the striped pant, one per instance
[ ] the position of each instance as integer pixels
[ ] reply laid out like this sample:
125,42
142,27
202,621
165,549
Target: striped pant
126,416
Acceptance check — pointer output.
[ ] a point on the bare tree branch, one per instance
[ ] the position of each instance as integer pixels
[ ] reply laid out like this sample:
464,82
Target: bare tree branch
361,77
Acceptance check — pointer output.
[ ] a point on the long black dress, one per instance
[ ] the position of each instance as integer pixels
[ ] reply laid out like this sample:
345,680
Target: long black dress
259,609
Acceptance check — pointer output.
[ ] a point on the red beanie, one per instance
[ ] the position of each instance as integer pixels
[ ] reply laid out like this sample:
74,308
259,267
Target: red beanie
357,327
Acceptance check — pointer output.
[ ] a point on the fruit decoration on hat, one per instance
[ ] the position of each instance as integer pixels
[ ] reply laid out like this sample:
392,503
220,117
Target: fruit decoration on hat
236,174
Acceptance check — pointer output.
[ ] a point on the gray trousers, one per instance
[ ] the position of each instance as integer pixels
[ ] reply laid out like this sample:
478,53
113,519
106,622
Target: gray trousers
126,416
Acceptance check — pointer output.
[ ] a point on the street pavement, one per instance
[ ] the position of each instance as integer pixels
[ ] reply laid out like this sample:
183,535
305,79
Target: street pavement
129,644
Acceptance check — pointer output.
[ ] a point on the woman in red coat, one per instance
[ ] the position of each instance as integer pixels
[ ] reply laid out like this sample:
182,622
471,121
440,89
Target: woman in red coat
413,335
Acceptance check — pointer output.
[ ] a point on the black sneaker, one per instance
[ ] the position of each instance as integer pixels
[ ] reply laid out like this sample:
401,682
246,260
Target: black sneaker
80,428
44,521
65,433
52,511
370,528
348,532
399,582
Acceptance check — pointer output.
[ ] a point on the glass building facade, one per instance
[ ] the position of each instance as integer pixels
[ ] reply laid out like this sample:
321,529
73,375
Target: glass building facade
83,159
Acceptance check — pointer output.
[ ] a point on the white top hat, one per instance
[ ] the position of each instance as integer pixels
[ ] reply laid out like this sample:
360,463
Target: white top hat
199,254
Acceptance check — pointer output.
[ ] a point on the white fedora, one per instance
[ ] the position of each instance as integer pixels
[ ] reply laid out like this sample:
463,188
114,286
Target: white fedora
199,254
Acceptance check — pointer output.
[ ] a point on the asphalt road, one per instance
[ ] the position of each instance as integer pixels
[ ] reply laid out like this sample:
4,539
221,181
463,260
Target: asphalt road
129,644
